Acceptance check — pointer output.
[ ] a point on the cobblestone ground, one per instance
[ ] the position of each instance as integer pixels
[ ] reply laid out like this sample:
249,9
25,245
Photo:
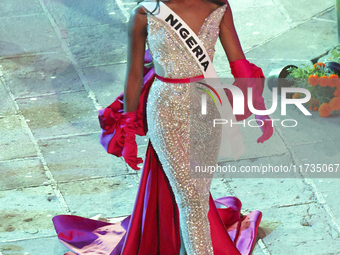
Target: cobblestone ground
61,61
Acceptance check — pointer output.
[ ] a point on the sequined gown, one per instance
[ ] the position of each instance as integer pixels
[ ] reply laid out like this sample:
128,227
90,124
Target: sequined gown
178,131
171,198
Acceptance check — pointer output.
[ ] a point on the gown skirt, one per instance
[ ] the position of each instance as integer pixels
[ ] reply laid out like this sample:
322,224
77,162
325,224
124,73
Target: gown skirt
169,199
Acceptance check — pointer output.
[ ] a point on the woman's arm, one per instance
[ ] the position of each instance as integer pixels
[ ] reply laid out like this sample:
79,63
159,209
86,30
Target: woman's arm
137,32
229,38
241,68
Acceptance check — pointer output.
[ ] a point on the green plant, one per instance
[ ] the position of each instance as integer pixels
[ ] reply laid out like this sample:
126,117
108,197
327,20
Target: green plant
335,55
321,82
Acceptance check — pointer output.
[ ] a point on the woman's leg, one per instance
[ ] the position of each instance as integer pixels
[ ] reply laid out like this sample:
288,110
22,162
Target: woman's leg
181,140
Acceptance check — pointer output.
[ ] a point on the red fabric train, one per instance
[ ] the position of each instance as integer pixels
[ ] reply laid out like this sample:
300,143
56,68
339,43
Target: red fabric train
153,226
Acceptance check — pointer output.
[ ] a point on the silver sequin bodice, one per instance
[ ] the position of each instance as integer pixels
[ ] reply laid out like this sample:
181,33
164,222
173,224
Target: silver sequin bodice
168,51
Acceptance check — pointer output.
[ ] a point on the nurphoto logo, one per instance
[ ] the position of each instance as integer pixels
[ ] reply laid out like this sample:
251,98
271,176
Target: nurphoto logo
238,104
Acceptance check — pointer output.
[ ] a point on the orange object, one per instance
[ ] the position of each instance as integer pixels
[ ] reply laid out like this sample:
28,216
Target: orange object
313,104
324,110
296,95
335,104
333,80
318,65
337,92
313,79
324,81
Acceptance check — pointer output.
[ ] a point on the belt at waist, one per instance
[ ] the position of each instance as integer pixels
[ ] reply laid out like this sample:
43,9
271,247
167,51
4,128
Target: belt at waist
185,80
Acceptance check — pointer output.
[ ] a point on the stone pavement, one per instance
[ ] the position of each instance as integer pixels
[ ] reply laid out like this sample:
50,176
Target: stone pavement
61,61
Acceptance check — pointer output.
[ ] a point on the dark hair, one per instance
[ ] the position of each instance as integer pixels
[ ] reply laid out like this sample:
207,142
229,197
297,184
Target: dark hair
218,2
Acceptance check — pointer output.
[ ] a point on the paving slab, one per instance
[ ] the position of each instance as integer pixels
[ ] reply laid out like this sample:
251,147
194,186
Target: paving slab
306,41
17,37
329,15
142,143
333,201
310,129
14,139
267,63
259,194
92,46
6,104
270,66
10,8
327,186
60,114
110,197
78,13
302,10
21,173
303,229
257,250
27,213
49,245
80,157
256,25
248,4
107,82
35,75
326,181
323,153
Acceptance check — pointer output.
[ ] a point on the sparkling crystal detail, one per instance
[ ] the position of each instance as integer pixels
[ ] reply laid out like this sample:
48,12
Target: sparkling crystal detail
179,133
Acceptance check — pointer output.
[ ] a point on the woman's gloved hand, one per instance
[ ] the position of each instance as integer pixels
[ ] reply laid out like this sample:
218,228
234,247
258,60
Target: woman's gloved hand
264,121
128,124
252,75
265,124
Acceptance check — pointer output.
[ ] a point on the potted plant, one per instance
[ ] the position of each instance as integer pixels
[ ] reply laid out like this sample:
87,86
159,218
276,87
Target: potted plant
323,84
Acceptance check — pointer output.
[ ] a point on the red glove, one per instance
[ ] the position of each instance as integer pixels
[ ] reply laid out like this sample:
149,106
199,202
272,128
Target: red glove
243,69
265,124
128,124
264,121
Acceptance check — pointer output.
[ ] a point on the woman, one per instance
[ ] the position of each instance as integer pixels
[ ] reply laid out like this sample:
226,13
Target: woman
174,213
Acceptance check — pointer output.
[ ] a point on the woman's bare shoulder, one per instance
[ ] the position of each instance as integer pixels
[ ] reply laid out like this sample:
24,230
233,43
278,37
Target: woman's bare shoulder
139,11
138,17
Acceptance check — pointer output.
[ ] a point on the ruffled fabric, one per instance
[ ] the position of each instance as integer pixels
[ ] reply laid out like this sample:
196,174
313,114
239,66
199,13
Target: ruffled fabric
109,118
